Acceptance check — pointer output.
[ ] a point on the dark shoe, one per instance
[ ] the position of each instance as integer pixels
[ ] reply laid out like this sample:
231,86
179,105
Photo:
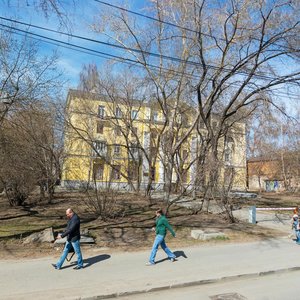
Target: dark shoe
55,267
77,268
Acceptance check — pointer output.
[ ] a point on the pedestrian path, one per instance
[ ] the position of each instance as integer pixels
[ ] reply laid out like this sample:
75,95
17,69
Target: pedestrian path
111,274
272,219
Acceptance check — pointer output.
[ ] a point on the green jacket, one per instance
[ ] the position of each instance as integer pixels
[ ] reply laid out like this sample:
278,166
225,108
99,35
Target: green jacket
162,225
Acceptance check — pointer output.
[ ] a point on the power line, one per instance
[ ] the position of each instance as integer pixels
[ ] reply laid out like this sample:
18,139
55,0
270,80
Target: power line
137,50
78,36
105,55
172,58
62,42
175,25
89,51
58,43
150,18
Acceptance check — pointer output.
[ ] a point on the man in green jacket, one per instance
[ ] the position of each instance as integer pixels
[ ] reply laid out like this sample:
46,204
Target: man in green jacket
162,225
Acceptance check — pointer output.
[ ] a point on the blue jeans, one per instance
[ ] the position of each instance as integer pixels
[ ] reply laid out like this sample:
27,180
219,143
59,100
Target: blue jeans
76,246
297,236
160,240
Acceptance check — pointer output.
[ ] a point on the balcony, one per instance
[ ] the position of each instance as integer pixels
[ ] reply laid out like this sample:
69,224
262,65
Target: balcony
101,153
99,149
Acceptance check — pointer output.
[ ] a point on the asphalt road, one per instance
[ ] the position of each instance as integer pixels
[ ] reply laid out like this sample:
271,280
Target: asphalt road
115,273
271,287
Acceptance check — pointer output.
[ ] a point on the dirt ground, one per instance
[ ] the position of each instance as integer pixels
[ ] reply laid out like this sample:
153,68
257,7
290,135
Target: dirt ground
131,229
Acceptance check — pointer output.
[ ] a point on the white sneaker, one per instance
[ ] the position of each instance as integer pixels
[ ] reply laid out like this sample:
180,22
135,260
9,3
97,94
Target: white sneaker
173,259
149,264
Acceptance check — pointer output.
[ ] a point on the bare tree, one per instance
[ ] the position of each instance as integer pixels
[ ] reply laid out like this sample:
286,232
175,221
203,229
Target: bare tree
223,59
27,80
57,8
89,79
31,154
274,137
25,77
16,174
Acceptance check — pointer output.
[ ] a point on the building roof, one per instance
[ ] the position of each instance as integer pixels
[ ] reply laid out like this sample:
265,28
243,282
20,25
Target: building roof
262,158
99,97
288,154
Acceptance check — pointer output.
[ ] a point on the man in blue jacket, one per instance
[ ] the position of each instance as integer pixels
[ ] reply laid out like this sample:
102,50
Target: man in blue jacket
72,233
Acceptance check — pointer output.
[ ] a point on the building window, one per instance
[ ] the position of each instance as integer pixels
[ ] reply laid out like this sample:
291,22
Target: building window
228,176
134,131
152,174
116,172
153,152
100,127
133,152
154,133
179,118
229,150
98,171
134,149
185,155
134,114
101,111
117,150
202,125
133,171
118,131
184,175
227,156
155,116
118,112
184,119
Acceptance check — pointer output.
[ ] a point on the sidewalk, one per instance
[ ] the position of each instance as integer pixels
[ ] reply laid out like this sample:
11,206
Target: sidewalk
112,274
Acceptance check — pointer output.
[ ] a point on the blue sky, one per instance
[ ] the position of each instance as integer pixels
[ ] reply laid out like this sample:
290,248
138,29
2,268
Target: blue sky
80,16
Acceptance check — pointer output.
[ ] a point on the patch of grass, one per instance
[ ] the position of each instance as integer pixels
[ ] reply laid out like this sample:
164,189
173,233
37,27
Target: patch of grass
130,230
26,225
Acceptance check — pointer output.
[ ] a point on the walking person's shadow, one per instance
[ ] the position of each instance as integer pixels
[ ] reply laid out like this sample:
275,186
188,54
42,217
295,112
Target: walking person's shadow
95,259
179,253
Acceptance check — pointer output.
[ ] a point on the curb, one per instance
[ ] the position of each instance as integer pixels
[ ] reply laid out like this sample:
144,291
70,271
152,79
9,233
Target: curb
191,283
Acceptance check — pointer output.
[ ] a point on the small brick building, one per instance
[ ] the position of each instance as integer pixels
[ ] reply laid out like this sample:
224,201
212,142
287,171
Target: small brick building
275,173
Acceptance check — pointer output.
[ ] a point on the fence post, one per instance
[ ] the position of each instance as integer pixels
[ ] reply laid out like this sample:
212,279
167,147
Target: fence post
252,214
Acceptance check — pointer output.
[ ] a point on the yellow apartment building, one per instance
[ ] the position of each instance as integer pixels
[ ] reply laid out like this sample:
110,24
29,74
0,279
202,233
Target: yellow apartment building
117,142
